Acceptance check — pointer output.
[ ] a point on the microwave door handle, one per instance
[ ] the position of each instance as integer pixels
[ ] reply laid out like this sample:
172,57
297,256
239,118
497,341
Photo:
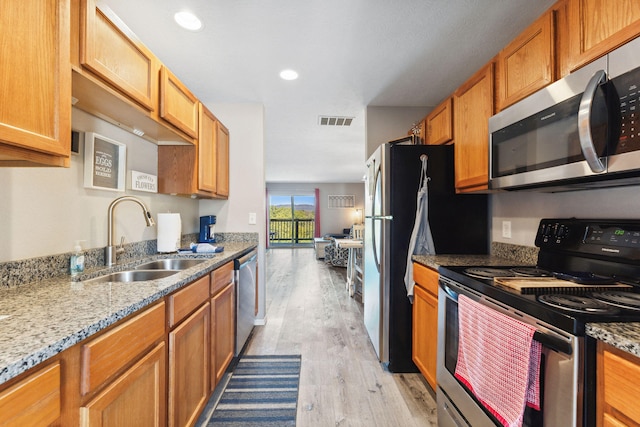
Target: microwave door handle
584,122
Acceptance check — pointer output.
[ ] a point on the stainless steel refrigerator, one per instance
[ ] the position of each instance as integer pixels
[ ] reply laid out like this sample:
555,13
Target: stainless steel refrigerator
458,222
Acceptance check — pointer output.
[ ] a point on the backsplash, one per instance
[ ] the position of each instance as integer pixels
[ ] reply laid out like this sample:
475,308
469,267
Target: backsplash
14,273
525,254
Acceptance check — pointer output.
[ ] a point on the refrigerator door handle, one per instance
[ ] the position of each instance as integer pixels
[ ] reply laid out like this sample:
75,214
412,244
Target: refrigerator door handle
388,217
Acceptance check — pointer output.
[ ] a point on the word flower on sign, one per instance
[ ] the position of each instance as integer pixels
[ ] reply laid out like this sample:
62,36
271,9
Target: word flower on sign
141,181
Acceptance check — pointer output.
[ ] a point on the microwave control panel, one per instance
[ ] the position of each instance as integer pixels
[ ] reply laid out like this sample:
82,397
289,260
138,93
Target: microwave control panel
627,87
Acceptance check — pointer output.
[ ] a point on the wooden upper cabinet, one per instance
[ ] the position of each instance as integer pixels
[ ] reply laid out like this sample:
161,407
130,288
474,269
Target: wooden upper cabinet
35,83
201,171
439,124
596,27
207,152
111,51
178,105
222,176
527,63
473,105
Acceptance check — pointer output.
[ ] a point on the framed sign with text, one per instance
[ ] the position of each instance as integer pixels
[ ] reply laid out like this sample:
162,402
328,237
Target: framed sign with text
105,163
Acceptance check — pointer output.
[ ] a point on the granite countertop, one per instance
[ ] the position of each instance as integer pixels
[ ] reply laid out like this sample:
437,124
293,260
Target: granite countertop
625,336
435,261
41,319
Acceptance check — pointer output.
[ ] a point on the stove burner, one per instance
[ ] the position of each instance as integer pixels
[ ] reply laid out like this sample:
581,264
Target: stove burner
576,303
491,272
487,272
531,272
622,299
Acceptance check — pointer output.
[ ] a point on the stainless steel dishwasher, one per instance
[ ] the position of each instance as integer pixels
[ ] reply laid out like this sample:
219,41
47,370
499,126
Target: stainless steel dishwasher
245,278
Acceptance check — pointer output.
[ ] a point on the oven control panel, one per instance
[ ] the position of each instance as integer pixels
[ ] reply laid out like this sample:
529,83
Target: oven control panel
605,238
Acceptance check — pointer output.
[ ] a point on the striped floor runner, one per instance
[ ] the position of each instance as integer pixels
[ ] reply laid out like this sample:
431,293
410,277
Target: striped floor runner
262,392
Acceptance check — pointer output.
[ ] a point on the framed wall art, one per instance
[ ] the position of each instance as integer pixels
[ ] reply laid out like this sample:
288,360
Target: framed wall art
105,163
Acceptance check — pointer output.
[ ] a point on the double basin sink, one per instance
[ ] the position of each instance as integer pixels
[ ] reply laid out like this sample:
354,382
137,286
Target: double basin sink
151,270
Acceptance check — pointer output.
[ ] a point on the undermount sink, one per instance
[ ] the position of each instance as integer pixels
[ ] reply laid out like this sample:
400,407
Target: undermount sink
132,276
170,264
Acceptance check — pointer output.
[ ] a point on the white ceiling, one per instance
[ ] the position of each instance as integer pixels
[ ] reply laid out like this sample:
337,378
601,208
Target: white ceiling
350,54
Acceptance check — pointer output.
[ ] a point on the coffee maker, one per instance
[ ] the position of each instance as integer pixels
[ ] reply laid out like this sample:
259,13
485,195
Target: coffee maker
207,229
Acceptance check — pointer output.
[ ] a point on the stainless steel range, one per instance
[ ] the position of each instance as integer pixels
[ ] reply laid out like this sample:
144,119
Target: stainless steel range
587,271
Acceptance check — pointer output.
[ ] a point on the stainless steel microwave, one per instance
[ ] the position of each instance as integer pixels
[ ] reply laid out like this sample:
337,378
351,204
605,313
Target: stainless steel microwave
577,133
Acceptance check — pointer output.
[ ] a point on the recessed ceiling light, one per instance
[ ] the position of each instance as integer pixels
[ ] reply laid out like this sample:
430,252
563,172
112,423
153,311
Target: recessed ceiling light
188,21
288,74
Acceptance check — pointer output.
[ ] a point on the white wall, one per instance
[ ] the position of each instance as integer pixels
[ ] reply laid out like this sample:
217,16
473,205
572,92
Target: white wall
331,220
384,124
525,209
246,181
44,210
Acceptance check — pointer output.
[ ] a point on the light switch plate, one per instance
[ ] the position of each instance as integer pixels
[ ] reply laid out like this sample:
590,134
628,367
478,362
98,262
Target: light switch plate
506,229
252,217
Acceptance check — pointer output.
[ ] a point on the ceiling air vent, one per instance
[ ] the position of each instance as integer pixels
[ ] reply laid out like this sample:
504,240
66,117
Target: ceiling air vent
335,121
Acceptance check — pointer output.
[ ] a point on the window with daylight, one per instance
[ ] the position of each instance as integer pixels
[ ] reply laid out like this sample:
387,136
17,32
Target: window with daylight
292,220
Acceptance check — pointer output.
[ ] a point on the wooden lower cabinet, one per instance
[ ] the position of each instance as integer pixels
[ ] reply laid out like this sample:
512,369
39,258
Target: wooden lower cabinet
34,401
136,398
156,368
618,374
425,322
189,368
103,357
223,314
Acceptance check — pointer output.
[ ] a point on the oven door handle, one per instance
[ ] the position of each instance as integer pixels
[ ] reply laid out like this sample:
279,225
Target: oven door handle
552,342
450,292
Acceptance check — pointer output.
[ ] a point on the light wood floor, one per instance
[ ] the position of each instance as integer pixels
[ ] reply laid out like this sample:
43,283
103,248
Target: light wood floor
309,312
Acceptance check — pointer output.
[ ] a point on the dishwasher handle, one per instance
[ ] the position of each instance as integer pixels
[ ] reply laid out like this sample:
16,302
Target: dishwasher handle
238,263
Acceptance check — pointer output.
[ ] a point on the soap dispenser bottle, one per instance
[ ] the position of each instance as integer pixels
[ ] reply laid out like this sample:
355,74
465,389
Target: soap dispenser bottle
76,262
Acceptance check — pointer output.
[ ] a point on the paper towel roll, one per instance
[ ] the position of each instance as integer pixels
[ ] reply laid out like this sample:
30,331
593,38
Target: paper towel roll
169,232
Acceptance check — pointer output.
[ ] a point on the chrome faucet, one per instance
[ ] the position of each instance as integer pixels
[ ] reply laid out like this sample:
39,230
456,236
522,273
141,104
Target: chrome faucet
110,253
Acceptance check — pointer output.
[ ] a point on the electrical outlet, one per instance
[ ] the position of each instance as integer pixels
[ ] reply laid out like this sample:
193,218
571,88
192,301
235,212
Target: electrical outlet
252,218
506,229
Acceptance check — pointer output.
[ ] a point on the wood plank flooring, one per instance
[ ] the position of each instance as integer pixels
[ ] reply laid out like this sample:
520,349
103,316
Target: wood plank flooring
342,383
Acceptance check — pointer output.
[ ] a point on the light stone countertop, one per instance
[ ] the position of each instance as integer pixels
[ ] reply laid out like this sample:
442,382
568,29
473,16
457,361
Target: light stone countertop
625,336
435,261
41,319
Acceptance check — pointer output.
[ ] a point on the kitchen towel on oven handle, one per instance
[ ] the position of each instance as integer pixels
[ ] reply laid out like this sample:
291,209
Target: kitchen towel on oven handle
498,360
